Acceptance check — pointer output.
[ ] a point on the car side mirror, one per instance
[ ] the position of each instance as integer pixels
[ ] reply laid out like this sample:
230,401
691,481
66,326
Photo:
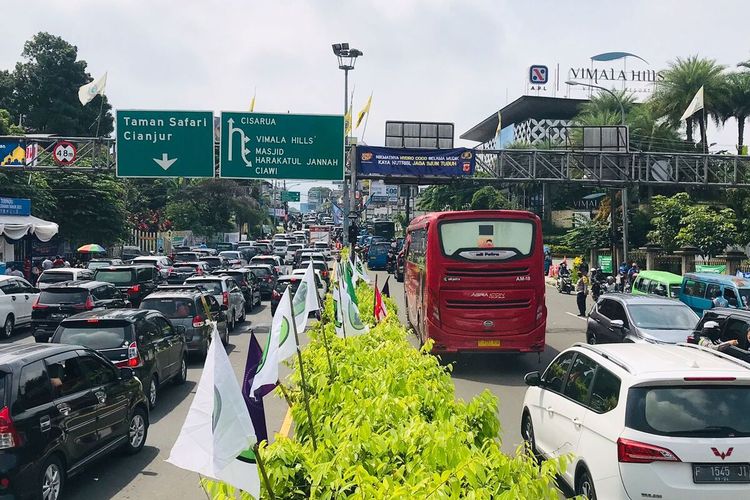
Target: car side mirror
126,373
617,324
533,379
224,307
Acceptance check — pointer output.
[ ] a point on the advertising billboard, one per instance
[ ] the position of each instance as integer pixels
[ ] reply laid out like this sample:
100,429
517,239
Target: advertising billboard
415,162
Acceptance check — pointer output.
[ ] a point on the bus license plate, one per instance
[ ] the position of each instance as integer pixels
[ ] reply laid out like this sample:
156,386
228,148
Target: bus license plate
488,343
721,473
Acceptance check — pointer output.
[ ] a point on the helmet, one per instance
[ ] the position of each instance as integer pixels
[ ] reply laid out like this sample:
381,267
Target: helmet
711,330
611,280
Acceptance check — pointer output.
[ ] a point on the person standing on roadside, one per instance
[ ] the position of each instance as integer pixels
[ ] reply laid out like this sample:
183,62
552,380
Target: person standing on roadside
582,289
46,264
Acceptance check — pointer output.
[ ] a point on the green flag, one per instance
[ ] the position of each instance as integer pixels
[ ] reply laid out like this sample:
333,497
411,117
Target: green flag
348,284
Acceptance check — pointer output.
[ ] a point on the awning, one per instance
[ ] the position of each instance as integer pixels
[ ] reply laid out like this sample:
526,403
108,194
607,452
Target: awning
16,227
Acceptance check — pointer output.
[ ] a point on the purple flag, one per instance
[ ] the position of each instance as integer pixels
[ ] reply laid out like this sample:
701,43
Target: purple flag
254,406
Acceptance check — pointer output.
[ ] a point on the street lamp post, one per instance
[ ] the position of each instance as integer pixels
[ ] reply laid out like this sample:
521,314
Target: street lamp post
347,58
624,192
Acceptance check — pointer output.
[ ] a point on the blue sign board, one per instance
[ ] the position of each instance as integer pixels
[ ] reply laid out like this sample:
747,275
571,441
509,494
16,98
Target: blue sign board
12,152
415,162
538,74
15,206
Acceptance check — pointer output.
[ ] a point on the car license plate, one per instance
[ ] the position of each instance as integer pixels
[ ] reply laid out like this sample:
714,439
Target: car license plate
721,473
488,343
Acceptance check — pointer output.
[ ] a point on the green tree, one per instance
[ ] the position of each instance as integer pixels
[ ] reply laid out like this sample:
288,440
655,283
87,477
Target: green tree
456,196
89,208
6,124
708,229
33,186
681,82
489,198
734,102
587,234
667,217
46,90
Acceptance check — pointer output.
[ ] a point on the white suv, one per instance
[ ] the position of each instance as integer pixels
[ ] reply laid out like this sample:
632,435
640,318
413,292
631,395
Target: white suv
644,421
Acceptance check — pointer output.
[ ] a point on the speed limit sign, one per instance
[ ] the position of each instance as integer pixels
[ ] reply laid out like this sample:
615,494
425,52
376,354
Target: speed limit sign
64,153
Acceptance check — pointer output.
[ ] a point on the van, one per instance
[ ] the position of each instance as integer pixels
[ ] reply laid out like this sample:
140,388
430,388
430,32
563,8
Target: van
660,283
698,290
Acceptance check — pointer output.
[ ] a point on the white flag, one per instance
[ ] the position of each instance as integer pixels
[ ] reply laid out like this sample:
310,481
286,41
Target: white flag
92,89
281,345
350,311
695,105
305,299
359,272
217,437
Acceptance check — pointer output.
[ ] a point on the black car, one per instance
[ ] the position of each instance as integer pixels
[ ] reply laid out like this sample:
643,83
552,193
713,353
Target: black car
282,284
184,270
135,281
62,408
248,283
57,302
734,324
266,276
143,340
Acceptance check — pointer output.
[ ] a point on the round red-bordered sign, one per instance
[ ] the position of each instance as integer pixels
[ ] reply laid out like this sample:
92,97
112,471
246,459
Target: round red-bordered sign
64,153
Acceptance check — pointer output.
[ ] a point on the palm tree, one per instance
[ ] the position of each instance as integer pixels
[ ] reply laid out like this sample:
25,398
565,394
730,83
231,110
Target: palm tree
681,82
734,102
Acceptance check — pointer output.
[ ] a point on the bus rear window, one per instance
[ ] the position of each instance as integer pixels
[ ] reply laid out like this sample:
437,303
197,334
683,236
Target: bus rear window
472,238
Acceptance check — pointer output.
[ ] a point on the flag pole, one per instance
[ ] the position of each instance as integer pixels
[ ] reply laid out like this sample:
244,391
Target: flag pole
305,396
375,301
325,345
339,283
262,469
99,116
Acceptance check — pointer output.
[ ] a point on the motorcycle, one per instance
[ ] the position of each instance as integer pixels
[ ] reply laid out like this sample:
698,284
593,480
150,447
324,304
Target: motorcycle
564,284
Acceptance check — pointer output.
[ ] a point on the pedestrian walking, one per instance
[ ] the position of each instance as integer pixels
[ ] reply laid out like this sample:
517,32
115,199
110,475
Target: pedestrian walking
582,290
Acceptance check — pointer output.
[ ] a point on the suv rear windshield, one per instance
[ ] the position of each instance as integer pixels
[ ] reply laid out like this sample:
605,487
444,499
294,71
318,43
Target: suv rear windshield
55,277
186,257
260,272
321,244
63,296
281,286
116,277
2,388
280,243
687,410
516,237
213,287
171,307
94,335
98,264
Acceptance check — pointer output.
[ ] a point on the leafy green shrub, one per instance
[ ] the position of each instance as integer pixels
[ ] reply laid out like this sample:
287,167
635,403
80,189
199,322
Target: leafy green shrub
388,425
562,251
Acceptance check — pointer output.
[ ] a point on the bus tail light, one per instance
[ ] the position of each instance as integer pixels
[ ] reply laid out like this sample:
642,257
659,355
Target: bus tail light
539,312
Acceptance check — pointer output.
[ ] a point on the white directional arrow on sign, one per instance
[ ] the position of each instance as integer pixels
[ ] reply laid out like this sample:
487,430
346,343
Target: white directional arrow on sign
165,162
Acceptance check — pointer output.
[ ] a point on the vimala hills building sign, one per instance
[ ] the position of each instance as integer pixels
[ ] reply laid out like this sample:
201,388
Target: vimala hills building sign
281,146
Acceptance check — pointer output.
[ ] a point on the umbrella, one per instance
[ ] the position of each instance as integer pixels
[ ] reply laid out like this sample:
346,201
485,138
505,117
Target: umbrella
91,248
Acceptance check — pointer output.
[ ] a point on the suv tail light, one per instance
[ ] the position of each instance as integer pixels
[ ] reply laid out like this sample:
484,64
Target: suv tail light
88,305
36,305
8,435
324,273
198,321
134,357
225,298
199,271
635,452
134,289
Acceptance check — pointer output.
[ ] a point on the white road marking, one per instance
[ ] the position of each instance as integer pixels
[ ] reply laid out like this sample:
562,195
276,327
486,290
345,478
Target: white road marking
575,315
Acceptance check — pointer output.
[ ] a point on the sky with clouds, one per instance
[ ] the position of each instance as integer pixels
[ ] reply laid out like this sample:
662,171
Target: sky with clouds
431,60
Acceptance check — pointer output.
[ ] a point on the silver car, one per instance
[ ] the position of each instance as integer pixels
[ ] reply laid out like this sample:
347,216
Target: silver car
619,317
227,292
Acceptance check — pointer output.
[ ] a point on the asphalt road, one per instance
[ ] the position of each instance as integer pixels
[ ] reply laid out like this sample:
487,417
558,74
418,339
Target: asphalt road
147,475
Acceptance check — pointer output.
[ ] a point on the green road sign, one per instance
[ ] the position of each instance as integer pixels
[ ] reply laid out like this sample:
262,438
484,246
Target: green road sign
281,146
290,196
605,263
165,143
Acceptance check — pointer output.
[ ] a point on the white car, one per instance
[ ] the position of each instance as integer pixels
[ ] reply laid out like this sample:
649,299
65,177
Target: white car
234,258
163,264
644,421
271,260
16,298
280,248
60,274
227,293
323,247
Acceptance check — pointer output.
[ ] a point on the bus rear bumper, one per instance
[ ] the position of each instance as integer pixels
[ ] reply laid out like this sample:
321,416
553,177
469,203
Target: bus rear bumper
451,341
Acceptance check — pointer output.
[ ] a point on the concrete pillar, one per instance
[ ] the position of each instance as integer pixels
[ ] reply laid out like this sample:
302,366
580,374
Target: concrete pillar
734,258
651,252
688,258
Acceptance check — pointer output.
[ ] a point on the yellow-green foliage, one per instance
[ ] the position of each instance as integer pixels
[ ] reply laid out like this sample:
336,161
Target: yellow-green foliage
388,426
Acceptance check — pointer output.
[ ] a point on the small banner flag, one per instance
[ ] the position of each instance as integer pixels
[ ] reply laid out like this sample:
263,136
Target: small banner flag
92,89
281,345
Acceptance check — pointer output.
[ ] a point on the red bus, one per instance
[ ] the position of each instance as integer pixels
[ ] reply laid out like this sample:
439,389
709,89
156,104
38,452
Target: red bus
474,281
